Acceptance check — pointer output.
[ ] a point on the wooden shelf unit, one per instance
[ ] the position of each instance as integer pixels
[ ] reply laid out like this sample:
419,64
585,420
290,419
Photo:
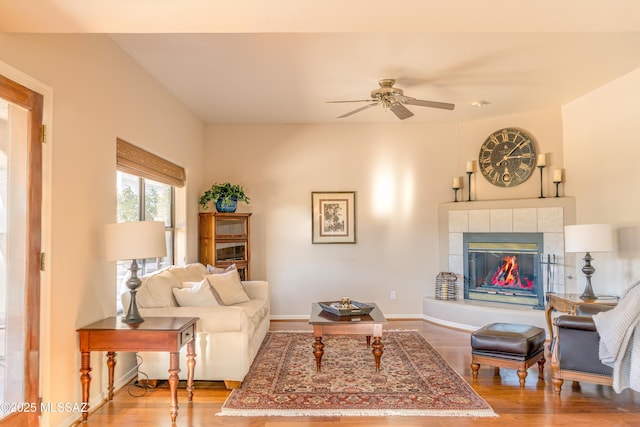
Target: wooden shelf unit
225,240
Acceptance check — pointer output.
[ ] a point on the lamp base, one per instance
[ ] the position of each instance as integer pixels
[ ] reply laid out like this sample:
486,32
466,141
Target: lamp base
588,270
133,283
133,315
588,296
134,320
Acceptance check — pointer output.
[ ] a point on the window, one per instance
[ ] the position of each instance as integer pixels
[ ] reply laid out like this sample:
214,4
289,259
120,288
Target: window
146,191
141,199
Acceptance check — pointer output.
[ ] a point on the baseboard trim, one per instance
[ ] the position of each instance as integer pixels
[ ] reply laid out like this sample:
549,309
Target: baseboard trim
101,398
448,324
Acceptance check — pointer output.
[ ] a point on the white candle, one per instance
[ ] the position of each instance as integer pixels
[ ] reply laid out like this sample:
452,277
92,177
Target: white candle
557,175
542,160
457,182
471,166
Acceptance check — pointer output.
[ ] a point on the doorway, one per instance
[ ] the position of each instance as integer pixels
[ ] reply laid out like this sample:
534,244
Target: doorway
20,246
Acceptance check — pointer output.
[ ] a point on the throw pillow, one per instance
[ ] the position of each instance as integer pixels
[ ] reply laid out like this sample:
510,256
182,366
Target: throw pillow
156,290
196,294
217,270
189,284
227,288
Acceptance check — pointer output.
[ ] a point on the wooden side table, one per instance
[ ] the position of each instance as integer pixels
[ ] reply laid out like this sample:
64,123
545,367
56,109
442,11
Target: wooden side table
154,334
568,303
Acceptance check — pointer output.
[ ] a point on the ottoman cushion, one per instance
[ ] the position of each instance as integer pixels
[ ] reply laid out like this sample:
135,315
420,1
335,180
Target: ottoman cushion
509,339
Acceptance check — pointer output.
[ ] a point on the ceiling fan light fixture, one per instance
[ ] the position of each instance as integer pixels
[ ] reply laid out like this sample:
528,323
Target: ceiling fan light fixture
393,98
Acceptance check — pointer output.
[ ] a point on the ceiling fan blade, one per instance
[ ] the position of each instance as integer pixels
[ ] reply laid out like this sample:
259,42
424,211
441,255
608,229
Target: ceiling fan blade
432,104
357,110
356,100
400,110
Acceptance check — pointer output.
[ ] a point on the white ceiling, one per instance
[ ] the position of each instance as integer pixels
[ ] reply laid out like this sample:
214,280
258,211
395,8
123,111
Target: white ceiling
252,63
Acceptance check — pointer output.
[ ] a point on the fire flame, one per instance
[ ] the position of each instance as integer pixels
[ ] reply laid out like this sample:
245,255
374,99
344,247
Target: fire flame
508,275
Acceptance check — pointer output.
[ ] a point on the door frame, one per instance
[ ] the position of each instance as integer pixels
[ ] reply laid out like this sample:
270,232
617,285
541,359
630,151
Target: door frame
33,102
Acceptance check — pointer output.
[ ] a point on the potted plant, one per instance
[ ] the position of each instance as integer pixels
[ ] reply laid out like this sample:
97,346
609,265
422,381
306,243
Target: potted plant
226,196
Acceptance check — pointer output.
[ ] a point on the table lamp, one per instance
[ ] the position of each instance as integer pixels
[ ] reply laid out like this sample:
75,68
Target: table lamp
134,240
588,238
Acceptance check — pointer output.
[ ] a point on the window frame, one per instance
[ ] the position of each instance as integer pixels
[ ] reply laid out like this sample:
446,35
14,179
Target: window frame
144,264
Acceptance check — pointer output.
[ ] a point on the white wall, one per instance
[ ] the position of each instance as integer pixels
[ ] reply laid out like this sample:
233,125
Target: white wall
391,168
601,151
401,172
99,94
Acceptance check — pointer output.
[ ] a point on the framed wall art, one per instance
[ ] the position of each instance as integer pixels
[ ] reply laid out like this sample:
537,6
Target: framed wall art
333,217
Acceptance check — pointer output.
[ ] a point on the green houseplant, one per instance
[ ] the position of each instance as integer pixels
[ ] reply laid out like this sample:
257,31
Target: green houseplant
225,196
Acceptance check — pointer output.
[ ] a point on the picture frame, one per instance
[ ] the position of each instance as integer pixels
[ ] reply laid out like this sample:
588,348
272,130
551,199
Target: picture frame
333,217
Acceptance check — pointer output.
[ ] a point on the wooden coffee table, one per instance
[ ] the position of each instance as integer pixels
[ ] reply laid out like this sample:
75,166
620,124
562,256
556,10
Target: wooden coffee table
325,323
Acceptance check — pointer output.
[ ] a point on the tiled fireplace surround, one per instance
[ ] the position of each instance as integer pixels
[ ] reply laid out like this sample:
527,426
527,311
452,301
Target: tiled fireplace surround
542,215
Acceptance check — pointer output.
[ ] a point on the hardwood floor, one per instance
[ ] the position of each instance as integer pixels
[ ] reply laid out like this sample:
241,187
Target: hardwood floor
581,404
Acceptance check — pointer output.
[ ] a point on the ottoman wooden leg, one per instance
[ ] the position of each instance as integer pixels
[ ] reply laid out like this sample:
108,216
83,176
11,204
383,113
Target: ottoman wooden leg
541,368
474,370
522,375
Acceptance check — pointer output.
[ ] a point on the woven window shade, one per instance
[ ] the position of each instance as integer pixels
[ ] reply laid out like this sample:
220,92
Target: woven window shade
139,162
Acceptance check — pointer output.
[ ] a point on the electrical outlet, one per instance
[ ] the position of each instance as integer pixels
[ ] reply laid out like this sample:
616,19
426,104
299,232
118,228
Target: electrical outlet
393,295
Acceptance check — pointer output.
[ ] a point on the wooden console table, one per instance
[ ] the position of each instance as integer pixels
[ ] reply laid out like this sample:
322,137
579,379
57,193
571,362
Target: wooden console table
568,303
154,334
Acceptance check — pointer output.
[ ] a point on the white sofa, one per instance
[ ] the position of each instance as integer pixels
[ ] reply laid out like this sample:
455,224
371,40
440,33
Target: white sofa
228,337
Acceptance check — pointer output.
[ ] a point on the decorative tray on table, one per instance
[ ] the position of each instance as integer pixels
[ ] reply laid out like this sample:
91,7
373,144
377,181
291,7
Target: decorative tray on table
353,308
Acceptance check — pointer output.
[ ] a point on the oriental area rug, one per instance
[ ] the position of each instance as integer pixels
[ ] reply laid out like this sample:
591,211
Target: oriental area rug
414,380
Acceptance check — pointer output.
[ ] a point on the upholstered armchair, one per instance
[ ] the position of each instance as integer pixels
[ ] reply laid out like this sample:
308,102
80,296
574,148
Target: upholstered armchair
574,352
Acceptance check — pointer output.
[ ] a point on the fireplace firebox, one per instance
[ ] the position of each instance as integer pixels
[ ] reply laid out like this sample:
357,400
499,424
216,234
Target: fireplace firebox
504,268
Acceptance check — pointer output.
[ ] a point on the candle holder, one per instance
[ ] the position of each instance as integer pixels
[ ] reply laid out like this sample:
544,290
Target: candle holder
469,173
455,194
557,183
541,193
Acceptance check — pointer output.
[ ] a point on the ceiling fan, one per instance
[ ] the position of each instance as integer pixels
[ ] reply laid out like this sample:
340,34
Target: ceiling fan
393,99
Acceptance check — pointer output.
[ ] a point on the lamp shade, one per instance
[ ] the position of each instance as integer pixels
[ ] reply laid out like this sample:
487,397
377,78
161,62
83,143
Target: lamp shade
588,238
135,240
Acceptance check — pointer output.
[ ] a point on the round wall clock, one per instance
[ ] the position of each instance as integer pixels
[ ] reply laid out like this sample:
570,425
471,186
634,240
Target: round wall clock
507,157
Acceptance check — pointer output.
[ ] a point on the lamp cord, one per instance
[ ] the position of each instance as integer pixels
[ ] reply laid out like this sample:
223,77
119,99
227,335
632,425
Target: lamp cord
136,385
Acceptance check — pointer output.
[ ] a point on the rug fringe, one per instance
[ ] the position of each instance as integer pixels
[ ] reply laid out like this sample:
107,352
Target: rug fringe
354,413
310,331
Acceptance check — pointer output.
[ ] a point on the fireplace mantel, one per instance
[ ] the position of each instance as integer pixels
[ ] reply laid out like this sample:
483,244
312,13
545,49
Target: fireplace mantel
541,215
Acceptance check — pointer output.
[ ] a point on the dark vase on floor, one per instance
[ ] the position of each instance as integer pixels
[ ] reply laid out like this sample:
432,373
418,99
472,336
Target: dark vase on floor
229,207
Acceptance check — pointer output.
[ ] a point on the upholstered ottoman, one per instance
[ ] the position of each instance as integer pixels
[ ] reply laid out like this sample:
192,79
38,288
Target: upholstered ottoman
508,345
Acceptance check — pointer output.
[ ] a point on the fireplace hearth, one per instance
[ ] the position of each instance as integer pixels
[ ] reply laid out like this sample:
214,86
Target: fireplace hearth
504,268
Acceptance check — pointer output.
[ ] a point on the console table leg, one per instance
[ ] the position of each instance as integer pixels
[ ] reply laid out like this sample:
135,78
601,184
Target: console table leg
318,351
174,368
111,364
377,351
85,379
191,363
